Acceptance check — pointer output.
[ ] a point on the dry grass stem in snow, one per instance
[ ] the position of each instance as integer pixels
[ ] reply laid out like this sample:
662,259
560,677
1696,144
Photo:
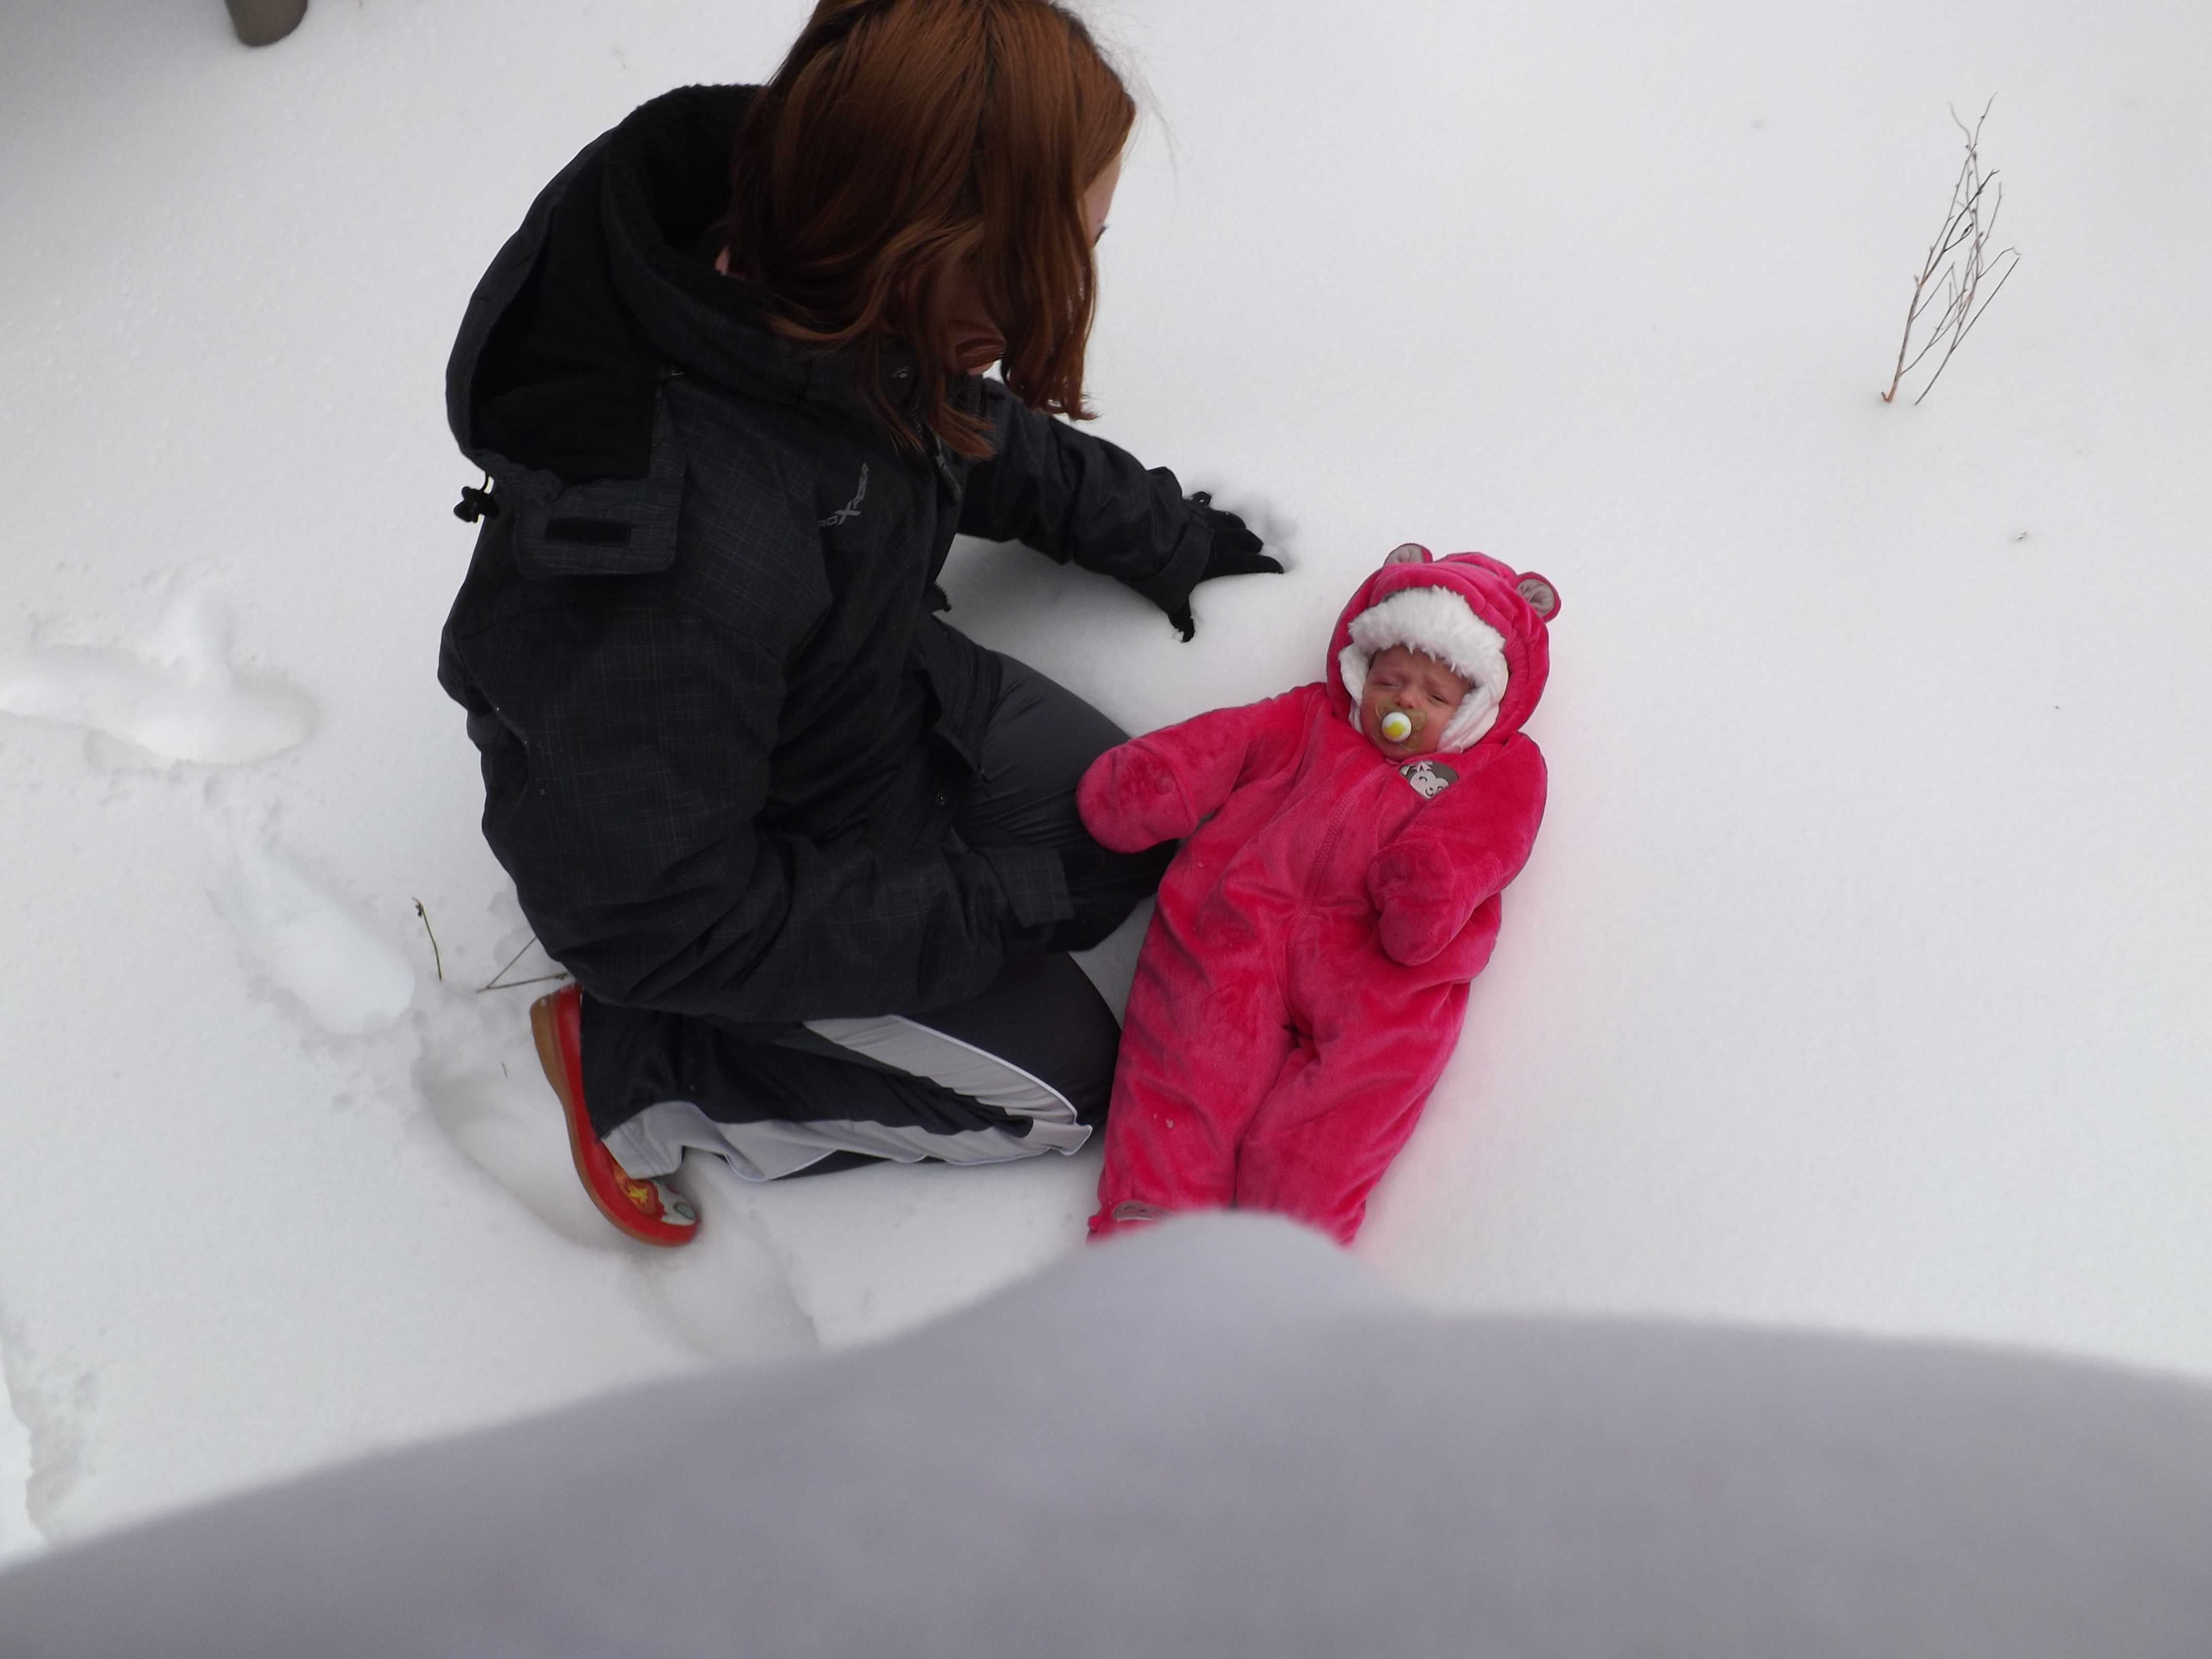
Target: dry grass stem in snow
500,981
437,956
1960,257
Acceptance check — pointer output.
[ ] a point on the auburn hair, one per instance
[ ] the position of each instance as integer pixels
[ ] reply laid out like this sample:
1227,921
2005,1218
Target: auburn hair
901,138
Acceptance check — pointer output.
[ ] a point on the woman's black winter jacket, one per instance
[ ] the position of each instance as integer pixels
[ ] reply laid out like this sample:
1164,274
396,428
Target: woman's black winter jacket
722,731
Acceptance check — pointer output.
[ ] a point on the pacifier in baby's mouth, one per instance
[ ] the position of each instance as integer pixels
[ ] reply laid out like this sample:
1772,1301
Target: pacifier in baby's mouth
1398,726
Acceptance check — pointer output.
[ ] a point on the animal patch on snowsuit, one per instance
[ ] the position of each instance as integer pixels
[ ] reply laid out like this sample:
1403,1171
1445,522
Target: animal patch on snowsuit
1306,972
1429,778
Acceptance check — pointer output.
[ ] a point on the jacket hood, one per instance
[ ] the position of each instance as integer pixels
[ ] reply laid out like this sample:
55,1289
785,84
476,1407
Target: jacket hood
554,386
1480,617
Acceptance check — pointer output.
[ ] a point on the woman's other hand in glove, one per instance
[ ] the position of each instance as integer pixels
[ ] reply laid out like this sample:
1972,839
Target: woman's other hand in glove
1235,552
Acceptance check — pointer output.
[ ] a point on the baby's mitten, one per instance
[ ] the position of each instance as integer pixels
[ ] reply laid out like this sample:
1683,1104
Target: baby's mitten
1461,847
1423,901
1131,799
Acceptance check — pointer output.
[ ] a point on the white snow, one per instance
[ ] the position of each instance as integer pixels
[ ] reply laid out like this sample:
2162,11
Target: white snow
1860,976
348,977
18,1537
176,700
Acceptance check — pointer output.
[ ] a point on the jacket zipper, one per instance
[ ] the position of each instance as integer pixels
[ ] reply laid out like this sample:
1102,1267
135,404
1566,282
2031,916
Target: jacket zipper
1313,877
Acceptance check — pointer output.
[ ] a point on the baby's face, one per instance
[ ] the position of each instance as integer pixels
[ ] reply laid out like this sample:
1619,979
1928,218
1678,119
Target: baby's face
1403,681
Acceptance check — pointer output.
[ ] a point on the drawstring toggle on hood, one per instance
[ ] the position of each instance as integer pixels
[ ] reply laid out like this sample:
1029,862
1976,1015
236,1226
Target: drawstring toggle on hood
476,502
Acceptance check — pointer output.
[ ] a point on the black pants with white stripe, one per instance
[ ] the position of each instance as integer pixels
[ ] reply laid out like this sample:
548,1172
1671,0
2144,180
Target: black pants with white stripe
1023,1068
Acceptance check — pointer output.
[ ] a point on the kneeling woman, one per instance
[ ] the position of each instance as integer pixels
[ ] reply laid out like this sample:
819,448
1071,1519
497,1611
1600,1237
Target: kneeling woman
812,855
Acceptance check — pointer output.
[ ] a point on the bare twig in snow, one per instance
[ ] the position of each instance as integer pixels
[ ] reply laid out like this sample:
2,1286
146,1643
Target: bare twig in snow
1959,266
516,984
437,954
500,981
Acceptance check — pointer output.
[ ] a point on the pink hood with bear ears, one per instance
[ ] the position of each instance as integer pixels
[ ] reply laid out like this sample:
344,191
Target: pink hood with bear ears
1510,607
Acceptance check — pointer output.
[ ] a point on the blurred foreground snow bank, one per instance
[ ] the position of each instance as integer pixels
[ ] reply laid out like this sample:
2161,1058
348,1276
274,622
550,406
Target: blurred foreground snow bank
1220,1437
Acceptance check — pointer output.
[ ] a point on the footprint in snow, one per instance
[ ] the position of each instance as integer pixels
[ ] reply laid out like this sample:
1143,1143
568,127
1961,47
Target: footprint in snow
729,1293
178,698
310,943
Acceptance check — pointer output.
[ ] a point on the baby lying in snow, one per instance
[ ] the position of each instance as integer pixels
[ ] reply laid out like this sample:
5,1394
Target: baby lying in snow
1305,974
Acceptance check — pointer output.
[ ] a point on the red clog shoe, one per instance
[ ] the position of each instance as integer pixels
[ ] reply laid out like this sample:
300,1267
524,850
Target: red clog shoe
649,1211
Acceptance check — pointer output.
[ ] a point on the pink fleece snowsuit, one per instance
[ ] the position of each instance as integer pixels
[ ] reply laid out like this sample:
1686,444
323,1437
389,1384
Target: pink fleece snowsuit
1307,968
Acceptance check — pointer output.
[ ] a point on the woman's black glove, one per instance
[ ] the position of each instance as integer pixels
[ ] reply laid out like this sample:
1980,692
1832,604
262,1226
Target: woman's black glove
1235,552
1105,887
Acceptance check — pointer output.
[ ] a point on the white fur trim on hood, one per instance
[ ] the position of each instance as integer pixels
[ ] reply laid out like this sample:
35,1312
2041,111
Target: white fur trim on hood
1433,619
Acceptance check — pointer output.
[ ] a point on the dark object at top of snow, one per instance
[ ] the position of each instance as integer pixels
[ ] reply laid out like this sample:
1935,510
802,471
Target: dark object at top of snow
264,23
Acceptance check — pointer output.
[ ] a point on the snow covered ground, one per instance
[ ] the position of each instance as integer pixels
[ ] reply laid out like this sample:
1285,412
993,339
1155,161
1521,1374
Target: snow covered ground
1861,976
